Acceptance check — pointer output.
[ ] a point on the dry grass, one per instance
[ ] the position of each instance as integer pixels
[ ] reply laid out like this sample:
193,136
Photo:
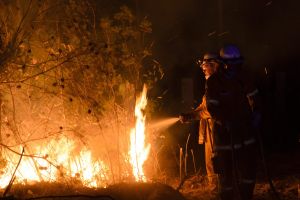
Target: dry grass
194,188
285,170
121,191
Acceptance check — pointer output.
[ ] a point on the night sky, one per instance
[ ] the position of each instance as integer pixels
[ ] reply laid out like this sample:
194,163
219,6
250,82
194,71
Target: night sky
267,33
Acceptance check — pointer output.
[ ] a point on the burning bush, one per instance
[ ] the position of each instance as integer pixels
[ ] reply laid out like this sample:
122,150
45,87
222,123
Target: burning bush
68,87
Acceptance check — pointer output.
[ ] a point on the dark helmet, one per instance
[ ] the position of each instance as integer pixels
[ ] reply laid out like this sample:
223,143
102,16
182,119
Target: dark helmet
210,57
231,54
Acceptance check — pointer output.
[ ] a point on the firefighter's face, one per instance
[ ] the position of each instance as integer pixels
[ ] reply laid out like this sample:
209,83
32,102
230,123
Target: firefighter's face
209,67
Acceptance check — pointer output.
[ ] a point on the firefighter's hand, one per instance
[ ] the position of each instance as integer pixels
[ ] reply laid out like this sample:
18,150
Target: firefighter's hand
186,117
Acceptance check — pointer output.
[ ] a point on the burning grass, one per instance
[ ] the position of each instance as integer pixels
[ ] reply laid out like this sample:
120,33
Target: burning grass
121,191
286,176
96,160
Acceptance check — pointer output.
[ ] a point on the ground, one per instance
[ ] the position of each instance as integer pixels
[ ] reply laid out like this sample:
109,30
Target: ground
284,170
287,187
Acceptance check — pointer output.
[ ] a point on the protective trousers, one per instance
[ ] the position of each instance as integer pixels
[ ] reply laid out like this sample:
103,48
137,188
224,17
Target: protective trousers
237,178
211,175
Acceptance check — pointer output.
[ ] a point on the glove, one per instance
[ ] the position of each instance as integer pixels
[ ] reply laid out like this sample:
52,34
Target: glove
186,117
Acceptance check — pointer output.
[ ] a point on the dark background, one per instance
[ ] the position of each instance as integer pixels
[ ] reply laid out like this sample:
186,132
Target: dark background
267,33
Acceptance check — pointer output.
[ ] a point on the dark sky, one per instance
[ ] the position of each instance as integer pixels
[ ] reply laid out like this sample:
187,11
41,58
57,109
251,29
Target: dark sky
266,31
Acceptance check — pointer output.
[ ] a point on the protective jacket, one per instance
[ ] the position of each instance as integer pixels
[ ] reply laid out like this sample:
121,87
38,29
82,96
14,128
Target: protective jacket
246,80
233,136
230,110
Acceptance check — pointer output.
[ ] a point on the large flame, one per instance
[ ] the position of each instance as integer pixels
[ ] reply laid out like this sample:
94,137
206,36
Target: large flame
138,151
54,161
60,159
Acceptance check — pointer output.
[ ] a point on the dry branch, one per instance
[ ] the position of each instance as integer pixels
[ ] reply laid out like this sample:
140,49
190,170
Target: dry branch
13,175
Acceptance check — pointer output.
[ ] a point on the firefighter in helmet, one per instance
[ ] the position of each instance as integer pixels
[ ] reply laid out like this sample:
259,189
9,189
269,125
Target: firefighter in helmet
210,64
244,79
232,97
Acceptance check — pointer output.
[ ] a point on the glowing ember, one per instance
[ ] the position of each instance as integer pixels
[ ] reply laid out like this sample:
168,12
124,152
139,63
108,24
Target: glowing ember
138,151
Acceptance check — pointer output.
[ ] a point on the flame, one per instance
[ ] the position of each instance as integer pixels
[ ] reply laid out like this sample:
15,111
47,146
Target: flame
138,151
50,167
60,159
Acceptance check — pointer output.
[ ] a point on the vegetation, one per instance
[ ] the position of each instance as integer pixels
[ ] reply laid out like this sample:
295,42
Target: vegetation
67,73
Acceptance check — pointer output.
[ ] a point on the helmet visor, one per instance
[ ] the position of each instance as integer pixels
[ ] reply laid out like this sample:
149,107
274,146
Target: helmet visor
210,62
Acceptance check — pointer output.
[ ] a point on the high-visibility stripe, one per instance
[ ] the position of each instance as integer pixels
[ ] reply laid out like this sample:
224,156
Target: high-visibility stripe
235,146
222,147
213,101
250,94
250,141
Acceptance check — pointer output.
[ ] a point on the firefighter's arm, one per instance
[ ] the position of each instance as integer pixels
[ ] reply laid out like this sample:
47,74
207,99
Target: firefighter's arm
254,99
199,108
187,117
255,104
199,113
252,92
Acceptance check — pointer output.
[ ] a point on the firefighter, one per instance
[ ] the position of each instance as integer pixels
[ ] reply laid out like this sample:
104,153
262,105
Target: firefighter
210,64
231,103
234,61
247,121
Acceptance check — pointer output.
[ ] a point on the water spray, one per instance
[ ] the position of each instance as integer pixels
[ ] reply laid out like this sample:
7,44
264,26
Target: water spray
163,123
